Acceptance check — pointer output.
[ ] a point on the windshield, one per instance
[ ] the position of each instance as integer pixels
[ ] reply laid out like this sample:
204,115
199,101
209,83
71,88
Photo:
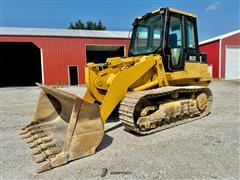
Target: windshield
146,37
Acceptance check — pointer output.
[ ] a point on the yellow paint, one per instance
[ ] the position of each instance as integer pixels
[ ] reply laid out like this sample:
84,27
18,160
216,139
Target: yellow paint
193,74
155,11
146,86
136,74
119,87
182,12
108,84
88,97
172,10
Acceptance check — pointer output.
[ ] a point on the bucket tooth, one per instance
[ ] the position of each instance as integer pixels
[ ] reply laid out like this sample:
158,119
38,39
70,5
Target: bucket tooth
30,124
37,151
47,139
28,135
40,135
35,131
29,129
30,140
33,145
43,140
25,131
44,168
33,138
26,126
46,145
33,128
40,159
38,141
47,154
33,134
50,152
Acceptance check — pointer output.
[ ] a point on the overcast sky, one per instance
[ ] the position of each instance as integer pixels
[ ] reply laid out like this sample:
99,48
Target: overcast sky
214,17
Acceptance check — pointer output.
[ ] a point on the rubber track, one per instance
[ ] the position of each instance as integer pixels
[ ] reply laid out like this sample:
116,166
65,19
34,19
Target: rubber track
128,104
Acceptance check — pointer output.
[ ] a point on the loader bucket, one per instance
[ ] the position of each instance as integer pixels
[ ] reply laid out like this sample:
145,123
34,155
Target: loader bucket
64,128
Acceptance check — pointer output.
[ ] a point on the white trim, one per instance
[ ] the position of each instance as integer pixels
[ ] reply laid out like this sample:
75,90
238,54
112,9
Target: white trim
69,74
220,60
42,67
220,37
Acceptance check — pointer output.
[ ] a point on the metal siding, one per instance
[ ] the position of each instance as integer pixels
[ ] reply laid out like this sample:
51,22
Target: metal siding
59,52
212,51
233,40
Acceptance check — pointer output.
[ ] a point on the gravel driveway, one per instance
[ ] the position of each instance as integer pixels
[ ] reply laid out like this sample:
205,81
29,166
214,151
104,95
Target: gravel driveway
203,149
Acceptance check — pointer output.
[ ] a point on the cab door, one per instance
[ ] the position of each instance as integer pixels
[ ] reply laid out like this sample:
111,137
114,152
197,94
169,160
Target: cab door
174,50
181,42
191,51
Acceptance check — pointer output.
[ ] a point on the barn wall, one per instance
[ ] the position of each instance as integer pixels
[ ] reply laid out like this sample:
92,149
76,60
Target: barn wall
233,40
59,52
212,51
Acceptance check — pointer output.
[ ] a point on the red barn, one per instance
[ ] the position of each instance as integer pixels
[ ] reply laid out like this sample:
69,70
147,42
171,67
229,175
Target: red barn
223,54
54,56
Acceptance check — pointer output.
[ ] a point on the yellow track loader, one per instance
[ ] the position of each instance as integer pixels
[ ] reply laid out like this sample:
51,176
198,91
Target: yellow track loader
162,83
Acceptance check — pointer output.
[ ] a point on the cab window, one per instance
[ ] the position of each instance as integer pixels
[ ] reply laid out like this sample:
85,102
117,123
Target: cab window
190,35
141,41
156,37
175,39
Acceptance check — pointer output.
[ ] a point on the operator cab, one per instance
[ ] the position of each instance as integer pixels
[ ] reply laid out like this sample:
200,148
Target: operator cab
169,32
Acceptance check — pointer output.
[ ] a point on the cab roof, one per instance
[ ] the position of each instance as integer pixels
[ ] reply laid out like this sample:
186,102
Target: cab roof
182,12
171,10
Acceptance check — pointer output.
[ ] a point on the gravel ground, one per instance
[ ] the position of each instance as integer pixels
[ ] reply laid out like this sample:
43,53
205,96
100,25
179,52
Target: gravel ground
204,149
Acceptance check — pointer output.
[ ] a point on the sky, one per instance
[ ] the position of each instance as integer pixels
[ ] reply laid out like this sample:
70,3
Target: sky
214,17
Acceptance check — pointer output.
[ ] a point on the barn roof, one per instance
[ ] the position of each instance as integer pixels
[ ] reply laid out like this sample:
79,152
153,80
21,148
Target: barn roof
220,37
16,31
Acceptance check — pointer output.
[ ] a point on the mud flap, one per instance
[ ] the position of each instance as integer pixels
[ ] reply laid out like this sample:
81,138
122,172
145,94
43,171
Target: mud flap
64,128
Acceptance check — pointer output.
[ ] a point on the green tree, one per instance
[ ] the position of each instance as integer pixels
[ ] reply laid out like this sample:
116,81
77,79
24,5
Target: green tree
77,25
100,26
90,25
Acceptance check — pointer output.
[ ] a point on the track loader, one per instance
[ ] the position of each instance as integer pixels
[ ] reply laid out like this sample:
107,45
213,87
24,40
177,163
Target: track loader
162,83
